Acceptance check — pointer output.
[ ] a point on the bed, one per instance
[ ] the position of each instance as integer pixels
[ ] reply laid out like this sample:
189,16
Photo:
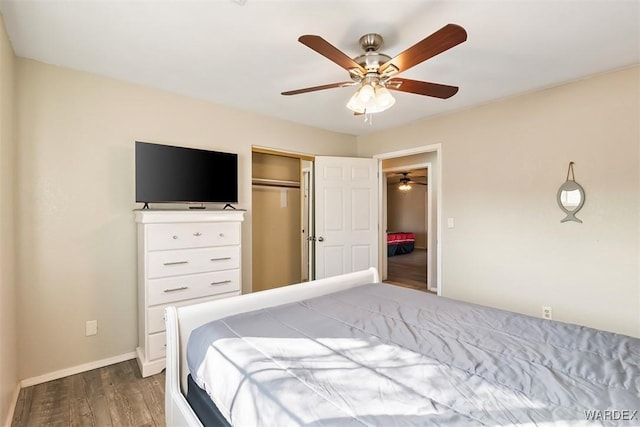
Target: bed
351,351
400,243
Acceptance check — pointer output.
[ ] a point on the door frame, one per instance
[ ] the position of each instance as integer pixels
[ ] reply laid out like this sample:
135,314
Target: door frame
437,148
428,214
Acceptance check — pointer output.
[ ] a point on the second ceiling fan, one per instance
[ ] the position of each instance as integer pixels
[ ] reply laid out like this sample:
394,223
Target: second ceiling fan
375,72
404,184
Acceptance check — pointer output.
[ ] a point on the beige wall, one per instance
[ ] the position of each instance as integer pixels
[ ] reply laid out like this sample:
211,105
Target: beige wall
76,235
502,164
8,334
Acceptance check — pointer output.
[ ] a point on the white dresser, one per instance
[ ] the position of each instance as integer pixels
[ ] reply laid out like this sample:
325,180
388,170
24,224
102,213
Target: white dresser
184,257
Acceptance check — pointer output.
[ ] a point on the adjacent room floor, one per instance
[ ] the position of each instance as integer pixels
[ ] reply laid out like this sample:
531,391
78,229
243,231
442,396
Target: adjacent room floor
408,270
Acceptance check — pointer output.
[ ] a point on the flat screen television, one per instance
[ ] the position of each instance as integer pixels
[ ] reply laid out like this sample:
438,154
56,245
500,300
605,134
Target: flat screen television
168,174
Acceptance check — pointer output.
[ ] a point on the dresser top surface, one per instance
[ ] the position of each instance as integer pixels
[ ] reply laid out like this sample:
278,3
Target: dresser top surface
148,216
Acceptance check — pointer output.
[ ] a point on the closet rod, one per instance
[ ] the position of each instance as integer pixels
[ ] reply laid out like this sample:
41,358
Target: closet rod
275,183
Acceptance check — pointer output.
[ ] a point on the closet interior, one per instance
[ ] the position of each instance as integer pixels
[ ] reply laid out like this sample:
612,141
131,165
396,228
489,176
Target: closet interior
282,219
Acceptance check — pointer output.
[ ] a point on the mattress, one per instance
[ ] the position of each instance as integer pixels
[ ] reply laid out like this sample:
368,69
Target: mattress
208,414
383,355
399,243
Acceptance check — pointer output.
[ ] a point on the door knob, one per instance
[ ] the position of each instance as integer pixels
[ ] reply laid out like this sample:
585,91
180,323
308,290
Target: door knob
320,239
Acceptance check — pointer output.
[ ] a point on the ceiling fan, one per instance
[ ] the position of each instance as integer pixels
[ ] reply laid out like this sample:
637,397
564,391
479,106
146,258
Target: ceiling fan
375,72
405,182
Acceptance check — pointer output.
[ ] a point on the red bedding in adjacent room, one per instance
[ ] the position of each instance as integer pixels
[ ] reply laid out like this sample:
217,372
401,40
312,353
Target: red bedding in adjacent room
401,237
400,243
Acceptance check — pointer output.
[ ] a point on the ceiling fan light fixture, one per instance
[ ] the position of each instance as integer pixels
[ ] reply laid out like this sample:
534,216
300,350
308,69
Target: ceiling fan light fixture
404,186
366,93
355,104
369,100
384,99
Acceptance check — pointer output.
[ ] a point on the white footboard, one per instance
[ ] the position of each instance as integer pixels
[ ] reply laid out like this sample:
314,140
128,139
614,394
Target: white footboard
180,322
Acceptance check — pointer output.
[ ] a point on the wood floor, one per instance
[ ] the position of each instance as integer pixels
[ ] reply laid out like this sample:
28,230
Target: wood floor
115,395
409,269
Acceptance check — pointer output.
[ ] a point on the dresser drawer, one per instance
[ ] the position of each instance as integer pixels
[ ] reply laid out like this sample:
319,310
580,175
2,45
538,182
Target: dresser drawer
155,319
190,261
157,346
191,235
155,314
164,291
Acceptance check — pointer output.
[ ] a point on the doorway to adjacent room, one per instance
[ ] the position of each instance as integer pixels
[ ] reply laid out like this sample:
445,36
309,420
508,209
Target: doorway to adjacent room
407,223
425,231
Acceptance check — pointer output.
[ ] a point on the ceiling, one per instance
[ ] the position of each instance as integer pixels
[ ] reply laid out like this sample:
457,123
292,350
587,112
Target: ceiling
243,53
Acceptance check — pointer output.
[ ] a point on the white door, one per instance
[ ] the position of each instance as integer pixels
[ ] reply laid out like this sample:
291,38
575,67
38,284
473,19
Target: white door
346,197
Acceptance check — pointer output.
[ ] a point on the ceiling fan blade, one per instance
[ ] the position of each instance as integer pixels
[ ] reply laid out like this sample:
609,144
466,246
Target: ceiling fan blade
330,52
445,38
315,88
435,90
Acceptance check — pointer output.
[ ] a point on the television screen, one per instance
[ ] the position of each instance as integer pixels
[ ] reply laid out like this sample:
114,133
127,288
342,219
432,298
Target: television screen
166,174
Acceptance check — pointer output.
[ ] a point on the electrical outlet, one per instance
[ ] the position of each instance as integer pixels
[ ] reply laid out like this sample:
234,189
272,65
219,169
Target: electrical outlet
547,313
91,327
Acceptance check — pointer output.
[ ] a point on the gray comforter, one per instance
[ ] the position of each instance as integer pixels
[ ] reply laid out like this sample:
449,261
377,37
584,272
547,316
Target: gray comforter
385,356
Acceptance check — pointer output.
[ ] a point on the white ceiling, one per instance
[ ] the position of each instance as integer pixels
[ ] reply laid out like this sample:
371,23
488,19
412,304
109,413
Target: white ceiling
245,55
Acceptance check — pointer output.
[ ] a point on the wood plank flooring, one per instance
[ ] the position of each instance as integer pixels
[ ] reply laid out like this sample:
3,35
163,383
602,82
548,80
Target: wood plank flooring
115,395
408,269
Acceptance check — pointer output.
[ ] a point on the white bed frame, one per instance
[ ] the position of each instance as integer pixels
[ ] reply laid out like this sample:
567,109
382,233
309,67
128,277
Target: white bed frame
181,321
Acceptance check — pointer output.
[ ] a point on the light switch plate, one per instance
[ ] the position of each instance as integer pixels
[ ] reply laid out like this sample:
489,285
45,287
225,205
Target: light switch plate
91,328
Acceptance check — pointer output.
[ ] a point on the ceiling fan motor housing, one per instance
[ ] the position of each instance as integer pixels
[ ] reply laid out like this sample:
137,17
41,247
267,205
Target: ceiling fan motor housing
371,41
371,60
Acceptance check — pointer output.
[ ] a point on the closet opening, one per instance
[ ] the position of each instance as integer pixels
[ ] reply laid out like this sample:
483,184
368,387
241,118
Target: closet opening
282,218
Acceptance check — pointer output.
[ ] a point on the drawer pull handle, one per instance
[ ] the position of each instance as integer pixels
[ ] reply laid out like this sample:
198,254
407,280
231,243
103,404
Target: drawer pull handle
221,282
175,237
221,234
221,259
181,288
197,234
176,263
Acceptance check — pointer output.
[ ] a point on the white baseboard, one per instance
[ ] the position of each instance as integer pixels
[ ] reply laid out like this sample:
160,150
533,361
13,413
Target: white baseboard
77,369
12,406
